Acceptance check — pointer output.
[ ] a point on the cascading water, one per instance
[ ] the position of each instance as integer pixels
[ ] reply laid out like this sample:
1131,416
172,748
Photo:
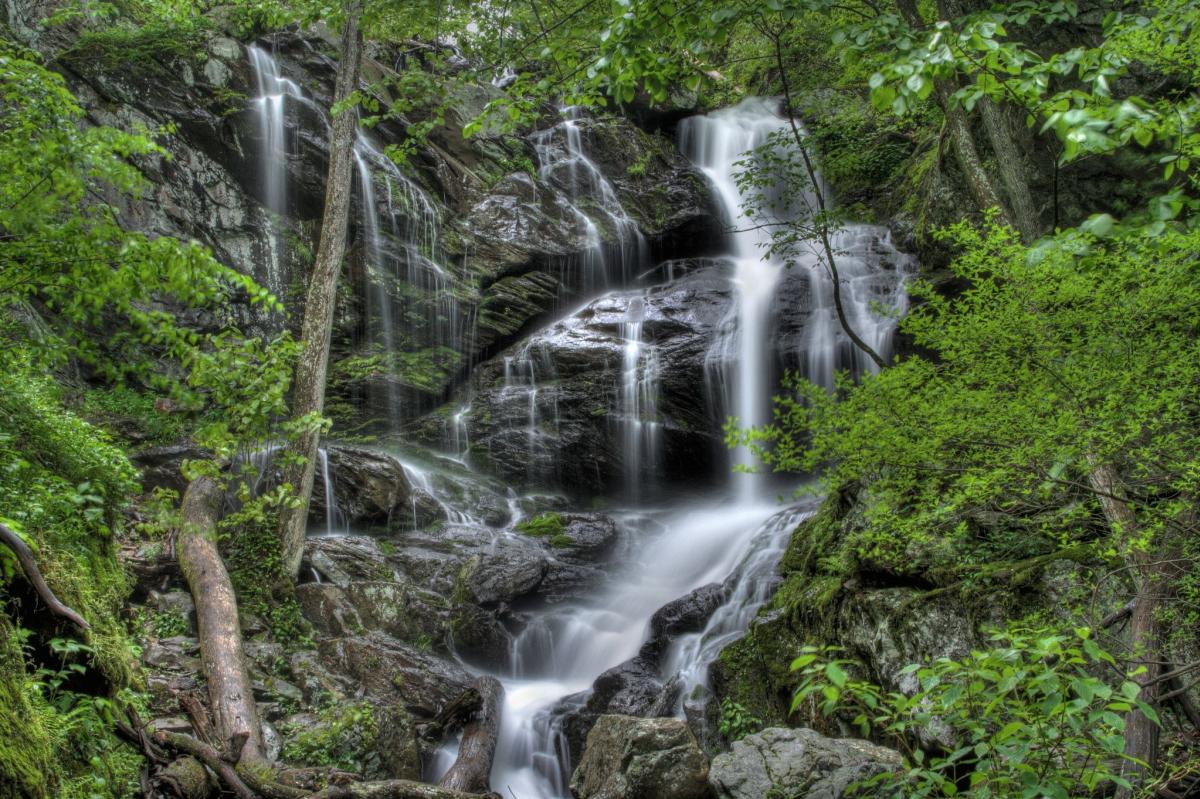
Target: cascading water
564,649
669,551
639,398
271,107
412,309
717,143
564,163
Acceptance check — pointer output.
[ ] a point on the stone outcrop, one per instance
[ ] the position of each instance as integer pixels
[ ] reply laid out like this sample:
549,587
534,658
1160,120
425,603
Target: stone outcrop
798,763
632,758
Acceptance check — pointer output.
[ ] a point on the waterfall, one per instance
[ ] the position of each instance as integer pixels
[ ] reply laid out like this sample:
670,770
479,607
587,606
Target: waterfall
561,650
639,396
717,143
274,92
742,363
563,163
412,309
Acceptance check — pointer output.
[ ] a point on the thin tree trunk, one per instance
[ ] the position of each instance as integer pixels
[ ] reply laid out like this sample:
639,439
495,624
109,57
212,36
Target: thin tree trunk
473,766
29,565
1145,627
979,182
311,369
1010,162
822,222
235,715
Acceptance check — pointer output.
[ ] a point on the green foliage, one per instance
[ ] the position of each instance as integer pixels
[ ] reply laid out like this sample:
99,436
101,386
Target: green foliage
736,721
250,543
1024,717
1082,91
65,256
344,737
1058,357
137,416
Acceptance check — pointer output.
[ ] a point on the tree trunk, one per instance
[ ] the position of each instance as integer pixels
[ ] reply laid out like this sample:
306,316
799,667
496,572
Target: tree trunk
309,388
473,766
29,565
394,789
1145,628
235,716
1010,162
979,182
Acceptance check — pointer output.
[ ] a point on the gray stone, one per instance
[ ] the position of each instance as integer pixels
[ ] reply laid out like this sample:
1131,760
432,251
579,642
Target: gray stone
798,763
632,758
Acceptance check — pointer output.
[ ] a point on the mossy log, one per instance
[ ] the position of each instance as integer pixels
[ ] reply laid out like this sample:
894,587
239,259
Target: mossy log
235,715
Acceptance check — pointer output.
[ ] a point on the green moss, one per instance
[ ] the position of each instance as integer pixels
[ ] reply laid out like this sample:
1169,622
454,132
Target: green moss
344,738
63,488
549,526
142,49
138,417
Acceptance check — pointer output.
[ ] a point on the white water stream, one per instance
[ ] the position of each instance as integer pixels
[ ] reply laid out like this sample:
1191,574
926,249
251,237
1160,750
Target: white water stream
669,550
677,550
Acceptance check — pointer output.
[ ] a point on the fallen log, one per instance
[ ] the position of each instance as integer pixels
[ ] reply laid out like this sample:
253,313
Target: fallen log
234,713
473,766
29,565
395,789
210,757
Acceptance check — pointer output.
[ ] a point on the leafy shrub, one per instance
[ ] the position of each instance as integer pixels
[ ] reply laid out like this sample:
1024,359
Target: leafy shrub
344,738
736,721
1025,718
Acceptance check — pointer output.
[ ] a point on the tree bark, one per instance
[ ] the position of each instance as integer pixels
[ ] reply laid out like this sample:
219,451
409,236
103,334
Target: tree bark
1010,162
311,369
235,715
979,182
1145,627
394,789
473,766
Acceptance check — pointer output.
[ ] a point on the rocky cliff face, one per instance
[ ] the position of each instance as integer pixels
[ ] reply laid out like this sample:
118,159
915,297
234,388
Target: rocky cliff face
453,257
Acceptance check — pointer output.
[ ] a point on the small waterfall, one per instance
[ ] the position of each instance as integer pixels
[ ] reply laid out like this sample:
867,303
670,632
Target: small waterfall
639,398
532,407
743,363
271,107
717,143
564,163
415,322
265,474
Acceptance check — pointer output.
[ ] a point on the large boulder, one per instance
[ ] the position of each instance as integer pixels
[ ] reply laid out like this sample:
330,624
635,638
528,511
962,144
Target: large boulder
371,489
632,758
797,763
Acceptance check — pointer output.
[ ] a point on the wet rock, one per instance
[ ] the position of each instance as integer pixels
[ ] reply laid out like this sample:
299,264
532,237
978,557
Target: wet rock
514,570
657,186
176,604
179,653
344,559
799,762
385,667
631,758
536,407
372,489
592,535
401,611
160,466
689,613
